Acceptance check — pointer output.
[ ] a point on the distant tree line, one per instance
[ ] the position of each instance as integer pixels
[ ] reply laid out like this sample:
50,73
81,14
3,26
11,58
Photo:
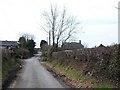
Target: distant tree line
26,46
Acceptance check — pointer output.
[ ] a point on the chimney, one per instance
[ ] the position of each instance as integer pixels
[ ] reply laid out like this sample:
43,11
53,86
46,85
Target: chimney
80,41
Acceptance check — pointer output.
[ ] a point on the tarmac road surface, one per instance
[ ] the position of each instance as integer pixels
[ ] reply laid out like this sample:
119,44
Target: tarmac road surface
34,75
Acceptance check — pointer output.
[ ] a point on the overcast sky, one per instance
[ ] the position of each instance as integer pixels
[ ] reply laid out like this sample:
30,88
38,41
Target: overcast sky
99,19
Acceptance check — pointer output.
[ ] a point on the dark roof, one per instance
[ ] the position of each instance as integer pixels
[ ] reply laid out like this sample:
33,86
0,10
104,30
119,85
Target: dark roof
9,43
72,45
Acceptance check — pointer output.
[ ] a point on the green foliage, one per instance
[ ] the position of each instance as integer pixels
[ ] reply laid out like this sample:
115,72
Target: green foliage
69,71
50,51
9,62
47,53
26,46
22,42
30,46
44,58
76,74
42,43
100,62
104,85
22,53
36,50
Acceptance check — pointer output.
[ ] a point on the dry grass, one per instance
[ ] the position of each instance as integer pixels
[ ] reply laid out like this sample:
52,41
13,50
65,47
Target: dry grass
75,78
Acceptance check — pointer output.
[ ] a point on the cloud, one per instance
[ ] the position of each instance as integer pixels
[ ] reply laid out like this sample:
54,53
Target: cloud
99,18
100,34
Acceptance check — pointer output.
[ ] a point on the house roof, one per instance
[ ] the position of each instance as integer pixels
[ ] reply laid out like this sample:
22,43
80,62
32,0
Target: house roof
8,43
72,45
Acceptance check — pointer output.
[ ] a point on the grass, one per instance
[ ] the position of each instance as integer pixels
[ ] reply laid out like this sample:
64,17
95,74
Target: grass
8,66
104,85
7,63
70,71
78,75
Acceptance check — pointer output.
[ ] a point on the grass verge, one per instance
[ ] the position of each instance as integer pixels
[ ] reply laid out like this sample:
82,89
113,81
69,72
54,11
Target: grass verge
79,77
8,66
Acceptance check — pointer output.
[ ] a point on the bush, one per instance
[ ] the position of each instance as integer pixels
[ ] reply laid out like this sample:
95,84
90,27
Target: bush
9,62
23,53
99,62
36,50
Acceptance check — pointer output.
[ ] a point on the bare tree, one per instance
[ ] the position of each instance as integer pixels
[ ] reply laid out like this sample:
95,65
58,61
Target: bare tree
59,25
28,36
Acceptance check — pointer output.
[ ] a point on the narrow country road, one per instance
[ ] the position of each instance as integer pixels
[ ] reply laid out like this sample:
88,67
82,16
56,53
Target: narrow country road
34,75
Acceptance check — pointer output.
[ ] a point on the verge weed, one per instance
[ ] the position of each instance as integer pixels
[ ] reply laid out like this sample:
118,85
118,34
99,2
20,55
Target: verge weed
78,75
